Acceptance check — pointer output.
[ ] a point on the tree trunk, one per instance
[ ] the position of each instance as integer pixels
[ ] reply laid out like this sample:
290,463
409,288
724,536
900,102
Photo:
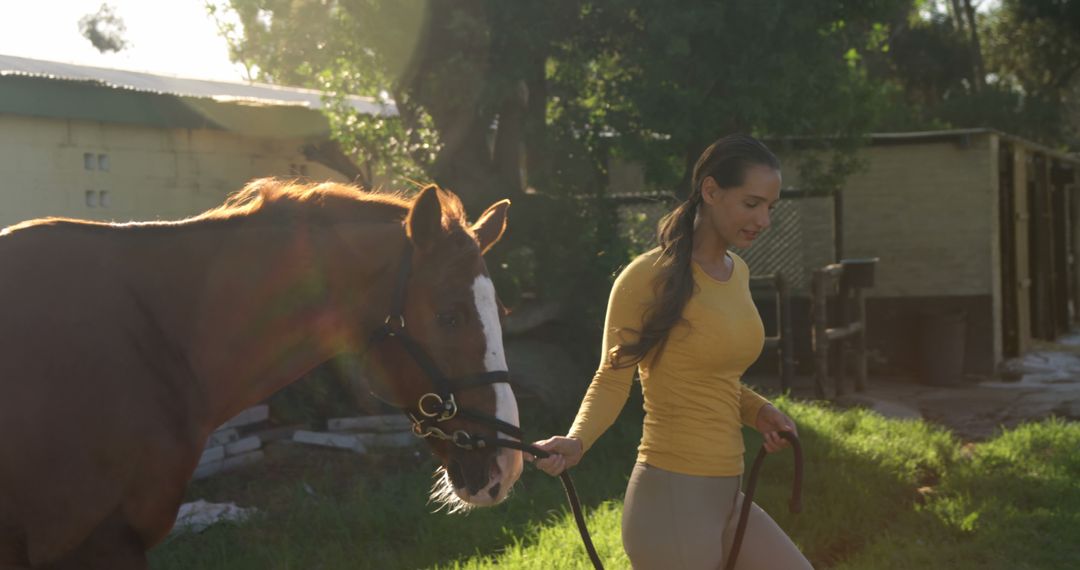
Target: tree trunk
510,141
537,161
957,16
979,74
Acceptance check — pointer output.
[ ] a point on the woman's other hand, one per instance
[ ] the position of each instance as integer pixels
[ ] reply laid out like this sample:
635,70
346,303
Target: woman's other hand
769,422
565,453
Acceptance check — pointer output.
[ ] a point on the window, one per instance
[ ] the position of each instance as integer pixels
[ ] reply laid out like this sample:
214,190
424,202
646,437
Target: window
88,160
103,162
91,199
103,198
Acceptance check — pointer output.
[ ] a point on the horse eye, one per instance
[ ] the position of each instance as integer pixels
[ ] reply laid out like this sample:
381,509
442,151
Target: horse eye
447,320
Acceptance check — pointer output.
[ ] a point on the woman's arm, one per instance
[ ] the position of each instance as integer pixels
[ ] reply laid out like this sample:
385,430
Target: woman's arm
610,386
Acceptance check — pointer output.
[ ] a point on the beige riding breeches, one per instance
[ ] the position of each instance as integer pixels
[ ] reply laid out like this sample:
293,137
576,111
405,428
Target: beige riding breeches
672,521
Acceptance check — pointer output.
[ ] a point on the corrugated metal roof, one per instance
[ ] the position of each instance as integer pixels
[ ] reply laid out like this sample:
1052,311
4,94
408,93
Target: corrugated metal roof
223,91
919,137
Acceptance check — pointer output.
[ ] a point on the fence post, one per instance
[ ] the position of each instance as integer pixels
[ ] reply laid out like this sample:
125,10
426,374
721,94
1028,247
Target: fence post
787,340
860,316
820,338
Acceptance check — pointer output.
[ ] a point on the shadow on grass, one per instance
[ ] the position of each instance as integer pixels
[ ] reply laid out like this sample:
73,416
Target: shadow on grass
328,510
889,494
878,493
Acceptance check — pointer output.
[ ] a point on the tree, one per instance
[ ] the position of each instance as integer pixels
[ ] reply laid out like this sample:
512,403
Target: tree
104,29
671,77
530,99
460,69
1012,67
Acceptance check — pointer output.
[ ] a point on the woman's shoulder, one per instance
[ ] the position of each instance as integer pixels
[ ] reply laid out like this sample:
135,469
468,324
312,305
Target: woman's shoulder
640,271
646,264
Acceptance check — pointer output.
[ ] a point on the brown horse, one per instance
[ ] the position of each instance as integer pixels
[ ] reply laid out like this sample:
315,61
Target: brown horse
123,346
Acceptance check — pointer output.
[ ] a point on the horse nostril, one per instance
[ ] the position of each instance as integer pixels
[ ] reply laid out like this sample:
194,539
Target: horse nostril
457,474
494,490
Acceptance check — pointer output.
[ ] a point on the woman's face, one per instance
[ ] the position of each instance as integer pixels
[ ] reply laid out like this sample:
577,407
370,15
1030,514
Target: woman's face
739,214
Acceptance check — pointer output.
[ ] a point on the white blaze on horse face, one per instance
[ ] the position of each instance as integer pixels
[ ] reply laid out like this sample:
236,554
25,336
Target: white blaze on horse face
488,309
509,461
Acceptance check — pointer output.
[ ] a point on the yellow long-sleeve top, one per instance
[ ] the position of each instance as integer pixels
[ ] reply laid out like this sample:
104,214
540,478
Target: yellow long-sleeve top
695,402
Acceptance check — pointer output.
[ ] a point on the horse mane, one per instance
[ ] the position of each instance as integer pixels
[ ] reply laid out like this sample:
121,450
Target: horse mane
289,197
276,199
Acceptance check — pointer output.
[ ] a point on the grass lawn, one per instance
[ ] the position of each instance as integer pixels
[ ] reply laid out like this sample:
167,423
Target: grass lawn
878,493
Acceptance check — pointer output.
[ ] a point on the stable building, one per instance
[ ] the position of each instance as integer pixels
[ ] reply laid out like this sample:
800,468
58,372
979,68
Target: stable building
974,224
105,144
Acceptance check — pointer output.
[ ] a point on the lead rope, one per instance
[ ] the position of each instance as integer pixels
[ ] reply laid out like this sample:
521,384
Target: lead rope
571,497
795,504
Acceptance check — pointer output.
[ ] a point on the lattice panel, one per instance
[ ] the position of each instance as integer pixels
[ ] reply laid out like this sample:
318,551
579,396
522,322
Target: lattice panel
780,248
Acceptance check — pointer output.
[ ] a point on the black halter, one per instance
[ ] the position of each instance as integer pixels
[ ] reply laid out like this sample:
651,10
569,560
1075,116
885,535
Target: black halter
439,405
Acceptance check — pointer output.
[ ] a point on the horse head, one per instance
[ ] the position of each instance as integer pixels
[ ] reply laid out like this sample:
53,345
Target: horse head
447,360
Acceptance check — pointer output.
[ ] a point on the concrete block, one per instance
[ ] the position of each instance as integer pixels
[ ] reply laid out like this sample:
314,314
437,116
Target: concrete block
222,437
278,433
383,423
395,440
252,415
250,443
207,469
223,464
352,441
212,454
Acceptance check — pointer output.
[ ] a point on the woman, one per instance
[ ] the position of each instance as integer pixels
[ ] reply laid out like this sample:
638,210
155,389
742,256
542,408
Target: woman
682,315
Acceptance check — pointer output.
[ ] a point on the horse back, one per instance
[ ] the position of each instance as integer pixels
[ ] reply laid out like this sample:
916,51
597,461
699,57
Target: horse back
82,383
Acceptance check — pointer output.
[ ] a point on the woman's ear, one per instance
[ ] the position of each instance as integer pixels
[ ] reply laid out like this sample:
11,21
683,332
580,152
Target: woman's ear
710,190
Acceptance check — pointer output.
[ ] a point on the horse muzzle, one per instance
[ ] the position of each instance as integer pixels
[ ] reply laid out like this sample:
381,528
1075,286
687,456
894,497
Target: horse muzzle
485,480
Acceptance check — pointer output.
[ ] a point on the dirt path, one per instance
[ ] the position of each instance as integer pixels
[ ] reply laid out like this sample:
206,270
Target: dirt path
1043,383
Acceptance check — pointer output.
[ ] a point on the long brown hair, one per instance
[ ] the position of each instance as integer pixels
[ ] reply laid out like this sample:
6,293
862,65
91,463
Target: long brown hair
726,161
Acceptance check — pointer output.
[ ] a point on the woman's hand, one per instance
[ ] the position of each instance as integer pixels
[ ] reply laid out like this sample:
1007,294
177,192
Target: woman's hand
565,453
770,421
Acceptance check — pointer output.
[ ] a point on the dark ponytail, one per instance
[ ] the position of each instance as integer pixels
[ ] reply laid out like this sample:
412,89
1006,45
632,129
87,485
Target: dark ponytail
726,161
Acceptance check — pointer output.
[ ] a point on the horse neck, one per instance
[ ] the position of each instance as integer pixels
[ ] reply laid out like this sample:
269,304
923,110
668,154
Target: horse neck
270,302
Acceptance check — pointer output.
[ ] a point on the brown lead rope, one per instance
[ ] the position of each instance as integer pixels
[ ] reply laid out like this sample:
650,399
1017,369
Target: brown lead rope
748,500
575,505
571,496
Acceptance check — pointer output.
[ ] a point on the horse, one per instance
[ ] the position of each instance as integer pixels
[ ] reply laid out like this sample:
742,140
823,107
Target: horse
123,346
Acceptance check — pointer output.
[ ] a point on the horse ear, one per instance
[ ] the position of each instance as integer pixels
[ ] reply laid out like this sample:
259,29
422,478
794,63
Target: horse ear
424,221
491,225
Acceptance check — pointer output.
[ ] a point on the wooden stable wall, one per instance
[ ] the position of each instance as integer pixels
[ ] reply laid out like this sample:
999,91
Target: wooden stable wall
973,221
1038,241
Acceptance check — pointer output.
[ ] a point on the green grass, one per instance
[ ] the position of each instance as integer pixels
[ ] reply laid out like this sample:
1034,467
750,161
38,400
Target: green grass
878,494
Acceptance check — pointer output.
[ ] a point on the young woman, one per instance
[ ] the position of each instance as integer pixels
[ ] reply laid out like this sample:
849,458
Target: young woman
682,316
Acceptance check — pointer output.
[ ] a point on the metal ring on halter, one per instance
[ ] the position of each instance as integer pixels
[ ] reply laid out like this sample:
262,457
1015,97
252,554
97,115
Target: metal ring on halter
418,427
446,409
401,323
463,440
438,433
460,438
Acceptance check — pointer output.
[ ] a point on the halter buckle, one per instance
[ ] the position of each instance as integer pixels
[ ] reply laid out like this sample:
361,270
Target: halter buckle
444,409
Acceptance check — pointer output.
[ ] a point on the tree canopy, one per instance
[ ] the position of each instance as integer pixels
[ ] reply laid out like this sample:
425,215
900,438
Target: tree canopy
531,99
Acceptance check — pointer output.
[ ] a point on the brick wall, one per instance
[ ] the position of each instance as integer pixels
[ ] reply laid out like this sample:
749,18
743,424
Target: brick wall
105,171
928,210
